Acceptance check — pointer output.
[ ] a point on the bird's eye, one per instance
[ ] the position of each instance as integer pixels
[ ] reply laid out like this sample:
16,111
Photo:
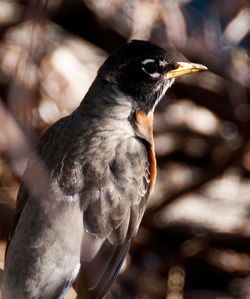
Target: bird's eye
151,67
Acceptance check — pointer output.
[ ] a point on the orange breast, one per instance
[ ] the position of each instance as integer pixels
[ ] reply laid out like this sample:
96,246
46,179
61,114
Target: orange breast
152,166
144,124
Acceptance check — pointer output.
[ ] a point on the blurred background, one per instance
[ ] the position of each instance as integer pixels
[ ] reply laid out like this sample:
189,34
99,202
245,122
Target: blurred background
194,241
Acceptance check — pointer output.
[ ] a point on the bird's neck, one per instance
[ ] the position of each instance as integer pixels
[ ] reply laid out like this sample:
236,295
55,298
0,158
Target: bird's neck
114,110
105,100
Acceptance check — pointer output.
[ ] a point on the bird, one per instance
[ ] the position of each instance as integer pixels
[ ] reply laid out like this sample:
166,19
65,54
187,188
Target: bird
86,185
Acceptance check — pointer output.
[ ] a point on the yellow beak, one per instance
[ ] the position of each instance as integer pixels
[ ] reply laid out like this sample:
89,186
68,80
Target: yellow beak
185,68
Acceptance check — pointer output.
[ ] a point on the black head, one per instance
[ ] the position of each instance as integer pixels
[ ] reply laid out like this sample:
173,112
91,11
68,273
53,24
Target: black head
140,69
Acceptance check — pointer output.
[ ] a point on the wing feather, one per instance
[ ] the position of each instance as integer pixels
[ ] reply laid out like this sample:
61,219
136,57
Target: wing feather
111,222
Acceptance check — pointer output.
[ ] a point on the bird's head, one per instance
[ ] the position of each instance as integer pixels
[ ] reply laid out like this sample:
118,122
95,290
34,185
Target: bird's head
144,72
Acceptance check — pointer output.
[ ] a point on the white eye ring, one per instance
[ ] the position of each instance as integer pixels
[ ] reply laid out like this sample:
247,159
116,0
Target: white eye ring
146,61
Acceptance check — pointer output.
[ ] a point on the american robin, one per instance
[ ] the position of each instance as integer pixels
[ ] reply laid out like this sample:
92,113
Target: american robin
85,189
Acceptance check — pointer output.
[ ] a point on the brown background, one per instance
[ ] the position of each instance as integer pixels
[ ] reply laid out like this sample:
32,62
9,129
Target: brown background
194,241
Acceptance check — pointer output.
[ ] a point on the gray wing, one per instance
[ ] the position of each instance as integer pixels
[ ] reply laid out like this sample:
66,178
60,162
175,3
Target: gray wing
112,219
